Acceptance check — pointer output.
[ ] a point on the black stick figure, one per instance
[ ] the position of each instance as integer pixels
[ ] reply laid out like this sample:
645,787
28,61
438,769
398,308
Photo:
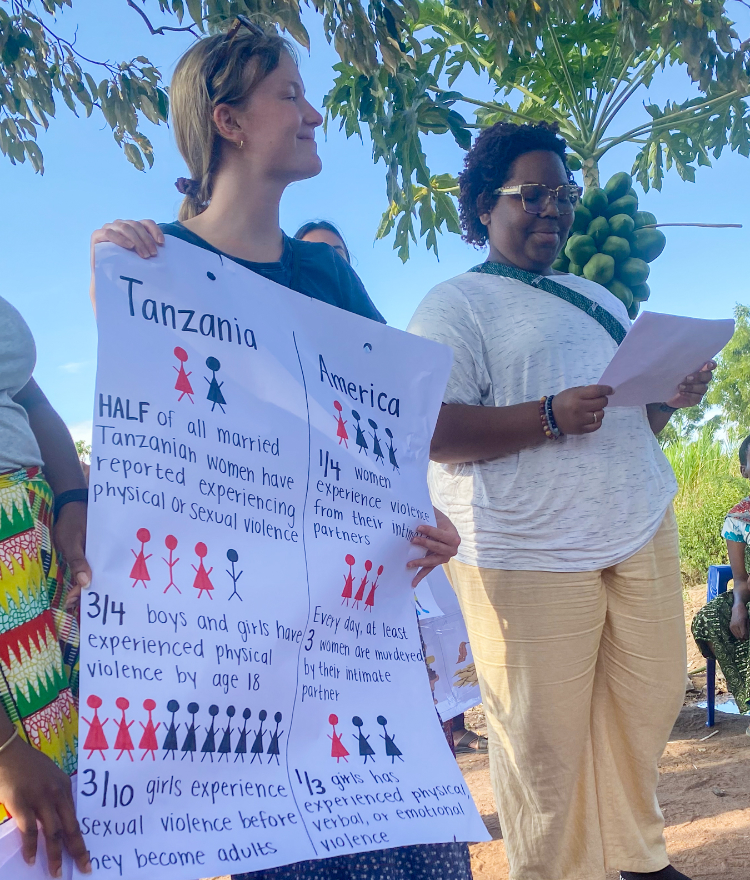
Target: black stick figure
209,743
257,748
392,751
170,740
273,746
190,745
225,746
233,556
365,749
214,386
361,440
391,450
240,749
376,450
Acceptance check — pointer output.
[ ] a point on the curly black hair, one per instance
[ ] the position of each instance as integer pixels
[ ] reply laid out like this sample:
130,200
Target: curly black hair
487,167
744,446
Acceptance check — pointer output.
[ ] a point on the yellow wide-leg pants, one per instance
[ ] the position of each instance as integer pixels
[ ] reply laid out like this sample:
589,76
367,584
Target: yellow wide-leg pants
582,677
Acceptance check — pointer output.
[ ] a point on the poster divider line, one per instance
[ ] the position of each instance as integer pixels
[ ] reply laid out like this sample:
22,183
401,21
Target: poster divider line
307,580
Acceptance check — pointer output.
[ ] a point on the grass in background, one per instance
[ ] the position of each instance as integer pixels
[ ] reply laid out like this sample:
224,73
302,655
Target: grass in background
708,475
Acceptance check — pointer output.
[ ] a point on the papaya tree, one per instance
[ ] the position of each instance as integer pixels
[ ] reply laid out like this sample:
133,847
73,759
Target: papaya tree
579,72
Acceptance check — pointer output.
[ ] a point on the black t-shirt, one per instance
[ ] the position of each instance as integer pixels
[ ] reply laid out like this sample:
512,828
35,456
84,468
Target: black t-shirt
311,268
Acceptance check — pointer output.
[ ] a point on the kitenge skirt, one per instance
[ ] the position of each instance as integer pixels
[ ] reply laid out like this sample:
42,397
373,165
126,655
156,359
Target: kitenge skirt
711,630
39,640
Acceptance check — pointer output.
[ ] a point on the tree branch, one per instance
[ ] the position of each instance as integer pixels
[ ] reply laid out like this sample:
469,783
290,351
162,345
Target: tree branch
620,79
647,67
571,88
160,31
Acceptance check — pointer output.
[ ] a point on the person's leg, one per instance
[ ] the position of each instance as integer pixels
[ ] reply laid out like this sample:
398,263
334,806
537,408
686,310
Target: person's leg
535,639
638,693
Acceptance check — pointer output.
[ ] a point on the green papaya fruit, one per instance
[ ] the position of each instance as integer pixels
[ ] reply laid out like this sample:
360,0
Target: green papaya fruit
625,205
574,163
622,225
580,249
618,185
618,248
600,268
561,263
598,230
648,243
575,269
621,291
633,309
644,218
581,219
632,192
633,271
595,200
641,292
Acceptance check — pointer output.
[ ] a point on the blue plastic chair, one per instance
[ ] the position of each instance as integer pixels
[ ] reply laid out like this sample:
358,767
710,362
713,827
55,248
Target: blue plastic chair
718,578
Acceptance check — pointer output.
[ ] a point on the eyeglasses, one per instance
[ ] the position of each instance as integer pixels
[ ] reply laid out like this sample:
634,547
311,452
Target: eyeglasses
223,47
536,196
243,21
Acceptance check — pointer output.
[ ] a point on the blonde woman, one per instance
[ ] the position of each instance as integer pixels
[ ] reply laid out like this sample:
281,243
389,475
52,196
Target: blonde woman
246,131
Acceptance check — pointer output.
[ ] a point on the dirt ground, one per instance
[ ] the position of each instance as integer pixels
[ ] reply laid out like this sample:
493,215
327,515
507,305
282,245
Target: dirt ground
704,789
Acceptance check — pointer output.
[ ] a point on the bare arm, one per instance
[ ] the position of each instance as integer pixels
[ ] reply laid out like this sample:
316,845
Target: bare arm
63,472
690,393
739,625
478,433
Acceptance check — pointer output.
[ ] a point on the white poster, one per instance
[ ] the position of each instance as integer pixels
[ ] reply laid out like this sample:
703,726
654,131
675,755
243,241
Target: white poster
253,689
453,675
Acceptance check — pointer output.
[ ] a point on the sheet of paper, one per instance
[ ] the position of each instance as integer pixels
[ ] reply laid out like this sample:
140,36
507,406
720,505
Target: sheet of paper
253,687
658,352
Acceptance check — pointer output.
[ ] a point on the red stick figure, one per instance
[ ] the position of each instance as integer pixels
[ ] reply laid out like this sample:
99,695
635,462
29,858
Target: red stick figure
139,571
202,582
124,741
171,544
338,749
348,580
148,741
363,583
340,425
96,741
183,383
370,600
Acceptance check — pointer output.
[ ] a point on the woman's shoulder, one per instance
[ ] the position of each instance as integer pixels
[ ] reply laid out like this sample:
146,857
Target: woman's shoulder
322,270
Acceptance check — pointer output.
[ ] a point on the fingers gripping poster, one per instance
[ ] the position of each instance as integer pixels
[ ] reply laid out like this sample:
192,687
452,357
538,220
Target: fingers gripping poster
253,687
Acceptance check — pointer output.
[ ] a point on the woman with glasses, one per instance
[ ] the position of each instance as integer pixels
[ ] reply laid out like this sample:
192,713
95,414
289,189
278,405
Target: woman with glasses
246,131
568,571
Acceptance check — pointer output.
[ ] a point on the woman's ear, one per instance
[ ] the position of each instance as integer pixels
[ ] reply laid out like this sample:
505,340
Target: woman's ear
227,124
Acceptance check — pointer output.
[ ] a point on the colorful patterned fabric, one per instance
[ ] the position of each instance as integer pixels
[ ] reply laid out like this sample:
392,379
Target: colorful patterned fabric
737,523
38,639
711,629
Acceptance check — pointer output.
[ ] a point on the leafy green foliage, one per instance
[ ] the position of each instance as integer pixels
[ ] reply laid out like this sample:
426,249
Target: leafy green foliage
707,472
730,388
578,69
38,67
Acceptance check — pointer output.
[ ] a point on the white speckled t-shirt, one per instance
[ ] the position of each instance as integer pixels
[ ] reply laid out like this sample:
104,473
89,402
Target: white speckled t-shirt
580,503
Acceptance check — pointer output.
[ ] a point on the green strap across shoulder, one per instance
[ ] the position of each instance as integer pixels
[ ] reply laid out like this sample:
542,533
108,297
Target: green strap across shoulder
544,282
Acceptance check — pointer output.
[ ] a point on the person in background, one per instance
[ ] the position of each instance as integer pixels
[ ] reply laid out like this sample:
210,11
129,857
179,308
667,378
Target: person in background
568,572
42,569
722,627
246,131
324,232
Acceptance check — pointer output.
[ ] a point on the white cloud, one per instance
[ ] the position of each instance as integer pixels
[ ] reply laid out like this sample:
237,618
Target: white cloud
73,367
82,431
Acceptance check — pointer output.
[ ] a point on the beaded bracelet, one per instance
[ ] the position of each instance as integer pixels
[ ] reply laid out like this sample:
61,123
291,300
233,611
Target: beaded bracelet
551,416
549,425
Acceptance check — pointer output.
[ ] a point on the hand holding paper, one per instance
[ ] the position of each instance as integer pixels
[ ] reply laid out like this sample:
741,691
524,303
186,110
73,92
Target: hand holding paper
658,353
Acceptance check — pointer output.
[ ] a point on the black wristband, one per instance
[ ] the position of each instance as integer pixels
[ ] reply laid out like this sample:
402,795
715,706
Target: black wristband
71,495
666,408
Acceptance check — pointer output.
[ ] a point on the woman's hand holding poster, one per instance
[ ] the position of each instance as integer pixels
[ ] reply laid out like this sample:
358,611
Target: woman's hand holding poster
253,690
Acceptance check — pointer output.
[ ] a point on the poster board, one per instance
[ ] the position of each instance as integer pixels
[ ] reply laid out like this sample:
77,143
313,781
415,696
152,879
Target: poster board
253,689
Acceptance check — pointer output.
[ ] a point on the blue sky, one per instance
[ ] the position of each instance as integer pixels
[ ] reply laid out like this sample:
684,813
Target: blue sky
48,219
